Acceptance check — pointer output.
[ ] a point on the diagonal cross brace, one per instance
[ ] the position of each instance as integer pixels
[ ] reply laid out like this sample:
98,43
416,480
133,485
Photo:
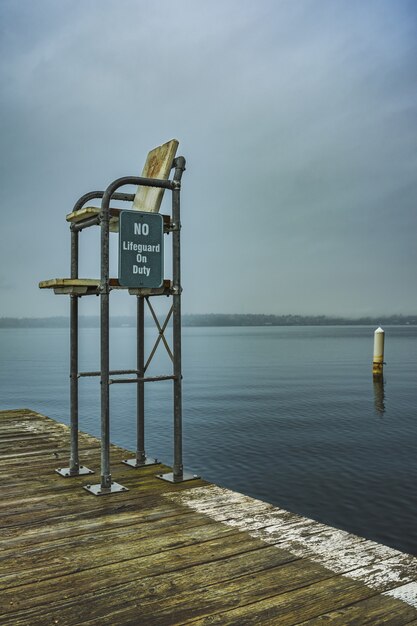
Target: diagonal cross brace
160,335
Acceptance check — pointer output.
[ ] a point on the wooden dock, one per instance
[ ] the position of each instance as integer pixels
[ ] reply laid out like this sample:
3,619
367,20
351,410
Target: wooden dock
161,553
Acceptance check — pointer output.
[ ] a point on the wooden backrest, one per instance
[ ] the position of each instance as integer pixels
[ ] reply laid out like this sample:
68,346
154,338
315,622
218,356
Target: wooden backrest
158,165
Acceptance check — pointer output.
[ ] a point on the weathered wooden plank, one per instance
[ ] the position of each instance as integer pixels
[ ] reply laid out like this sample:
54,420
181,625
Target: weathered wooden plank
43,562
94,511
87,522
294,607
63,493
90,539
52,484
232,557
405,592
26,446
369,612
229,583
44,510
20,414
45,463
49,460
7,439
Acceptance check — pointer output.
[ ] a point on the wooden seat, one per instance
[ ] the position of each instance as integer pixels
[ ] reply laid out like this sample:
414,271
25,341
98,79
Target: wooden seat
158,165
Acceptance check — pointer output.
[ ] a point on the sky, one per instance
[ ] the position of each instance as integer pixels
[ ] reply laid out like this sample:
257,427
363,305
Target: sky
297,119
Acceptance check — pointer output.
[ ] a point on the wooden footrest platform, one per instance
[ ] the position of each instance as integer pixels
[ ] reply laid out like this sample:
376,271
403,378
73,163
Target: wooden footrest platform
72,286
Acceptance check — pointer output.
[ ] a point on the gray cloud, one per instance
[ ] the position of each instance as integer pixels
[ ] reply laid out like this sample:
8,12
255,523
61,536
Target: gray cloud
298,122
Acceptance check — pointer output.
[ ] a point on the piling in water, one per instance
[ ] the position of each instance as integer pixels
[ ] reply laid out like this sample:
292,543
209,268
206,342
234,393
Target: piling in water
378,359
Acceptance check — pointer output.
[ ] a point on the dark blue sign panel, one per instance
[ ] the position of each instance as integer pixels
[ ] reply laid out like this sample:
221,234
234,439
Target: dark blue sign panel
141,249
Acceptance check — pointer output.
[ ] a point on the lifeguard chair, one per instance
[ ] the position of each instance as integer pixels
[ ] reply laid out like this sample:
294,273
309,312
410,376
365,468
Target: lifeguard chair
151,187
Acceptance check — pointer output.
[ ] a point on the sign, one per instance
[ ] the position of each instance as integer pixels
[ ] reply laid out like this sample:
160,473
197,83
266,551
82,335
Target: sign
141,249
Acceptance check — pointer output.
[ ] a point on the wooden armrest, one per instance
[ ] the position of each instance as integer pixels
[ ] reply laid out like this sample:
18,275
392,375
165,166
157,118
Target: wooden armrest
91,211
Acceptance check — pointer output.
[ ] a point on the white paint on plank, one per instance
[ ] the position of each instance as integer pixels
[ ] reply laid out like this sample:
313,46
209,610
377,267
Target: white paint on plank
406,593
380,567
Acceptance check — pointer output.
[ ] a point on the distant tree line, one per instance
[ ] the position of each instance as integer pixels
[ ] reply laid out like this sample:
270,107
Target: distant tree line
215,319
86,321
254,319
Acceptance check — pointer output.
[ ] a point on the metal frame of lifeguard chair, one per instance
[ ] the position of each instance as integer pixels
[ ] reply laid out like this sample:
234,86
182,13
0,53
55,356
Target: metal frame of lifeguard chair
148,197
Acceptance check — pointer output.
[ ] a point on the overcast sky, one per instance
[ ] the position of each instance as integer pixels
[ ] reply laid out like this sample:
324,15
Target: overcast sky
297,119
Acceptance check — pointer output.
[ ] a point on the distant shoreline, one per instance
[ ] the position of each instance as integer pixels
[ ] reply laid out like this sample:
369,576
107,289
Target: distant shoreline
216,319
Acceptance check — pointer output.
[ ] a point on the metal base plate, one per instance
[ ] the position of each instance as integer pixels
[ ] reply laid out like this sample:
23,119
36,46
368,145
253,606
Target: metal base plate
66,471
135,463
98,490
177,479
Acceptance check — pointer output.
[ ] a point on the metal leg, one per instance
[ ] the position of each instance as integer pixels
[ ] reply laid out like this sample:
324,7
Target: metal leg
178,474
106,485
74,469
141,459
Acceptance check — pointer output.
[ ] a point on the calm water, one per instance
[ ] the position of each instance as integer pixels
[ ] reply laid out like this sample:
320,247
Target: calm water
289,415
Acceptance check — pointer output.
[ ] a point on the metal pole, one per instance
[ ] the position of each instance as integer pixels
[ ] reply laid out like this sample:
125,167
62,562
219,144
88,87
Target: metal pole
74,468
74,461
178,469
104,344
141,458
178,474
140,399
105,486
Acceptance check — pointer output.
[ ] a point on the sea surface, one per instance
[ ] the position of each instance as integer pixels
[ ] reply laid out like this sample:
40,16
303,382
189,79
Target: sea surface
289,415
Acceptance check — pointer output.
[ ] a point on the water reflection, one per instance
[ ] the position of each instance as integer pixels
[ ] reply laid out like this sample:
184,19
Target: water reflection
379,396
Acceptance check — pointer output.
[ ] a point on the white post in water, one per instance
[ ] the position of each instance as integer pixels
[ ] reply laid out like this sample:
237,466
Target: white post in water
378,360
